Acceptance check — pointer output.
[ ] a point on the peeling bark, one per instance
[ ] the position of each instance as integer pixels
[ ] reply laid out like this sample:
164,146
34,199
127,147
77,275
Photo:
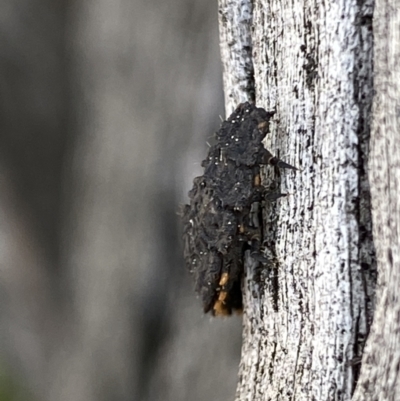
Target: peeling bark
307,315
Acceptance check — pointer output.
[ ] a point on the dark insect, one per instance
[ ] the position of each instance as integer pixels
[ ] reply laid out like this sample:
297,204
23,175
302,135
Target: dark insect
222,220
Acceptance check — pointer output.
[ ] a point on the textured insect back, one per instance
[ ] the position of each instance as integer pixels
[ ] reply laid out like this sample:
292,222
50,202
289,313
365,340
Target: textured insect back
222,219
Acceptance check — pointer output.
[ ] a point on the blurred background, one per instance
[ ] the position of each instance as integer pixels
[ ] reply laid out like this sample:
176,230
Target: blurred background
105,110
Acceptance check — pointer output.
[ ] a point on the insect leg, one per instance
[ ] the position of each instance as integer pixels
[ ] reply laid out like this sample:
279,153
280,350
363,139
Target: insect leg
268,158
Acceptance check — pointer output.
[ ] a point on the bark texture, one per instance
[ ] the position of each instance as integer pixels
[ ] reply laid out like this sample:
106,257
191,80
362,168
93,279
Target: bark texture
308,313
235,18
379,378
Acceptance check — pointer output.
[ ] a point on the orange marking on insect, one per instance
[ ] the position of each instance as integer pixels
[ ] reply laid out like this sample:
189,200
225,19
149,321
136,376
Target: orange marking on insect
224,279
241,228
222,296
257,180
220,309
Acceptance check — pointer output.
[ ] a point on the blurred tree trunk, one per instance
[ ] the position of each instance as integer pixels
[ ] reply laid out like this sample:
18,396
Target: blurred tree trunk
379,378
100,102
308,313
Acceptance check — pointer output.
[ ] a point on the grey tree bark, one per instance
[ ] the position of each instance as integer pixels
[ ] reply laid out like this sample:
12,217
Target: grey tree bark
308,313
95,119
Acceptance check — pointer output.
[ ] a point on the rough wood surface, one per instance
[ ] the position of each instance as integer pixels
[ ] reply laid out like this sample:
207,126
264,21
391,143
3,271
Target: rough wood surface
307,316
379,379
235,19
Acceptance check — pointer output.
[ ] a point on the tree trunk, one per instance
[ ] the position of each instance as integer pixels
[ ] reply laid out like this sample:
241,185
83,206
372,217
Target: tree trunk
308,311
379,378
